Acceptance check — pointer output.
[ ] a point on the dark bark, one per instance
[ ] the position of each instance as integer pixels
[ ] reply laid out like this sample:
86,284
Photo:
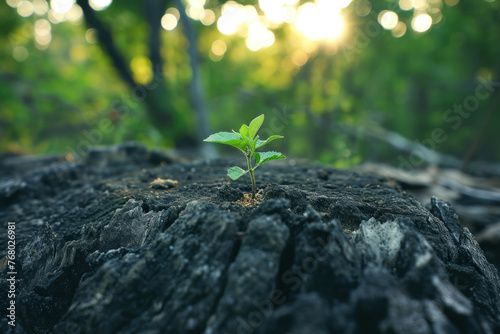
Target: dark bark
102,250
154,12
155,94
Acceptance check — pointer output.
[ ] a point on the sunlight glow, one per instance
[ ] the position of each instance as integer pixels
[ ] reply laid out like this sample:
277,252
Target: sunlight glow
421,22
318,20
321,21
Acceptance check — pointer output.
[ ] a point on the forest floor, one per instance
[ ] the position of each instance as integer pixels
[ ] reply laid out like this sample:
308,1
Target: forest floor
138,241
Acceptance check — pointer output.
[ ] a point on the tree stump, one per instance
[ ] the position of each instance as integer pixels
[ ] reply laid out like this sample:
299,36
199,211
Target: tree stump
134,241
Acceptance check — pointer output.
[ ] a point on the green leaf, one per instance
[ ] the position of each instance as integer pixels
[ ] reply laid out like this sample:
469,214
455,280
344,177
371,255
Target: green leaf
244,131
235,173
251,143
261,143
263,157
227,138
255,125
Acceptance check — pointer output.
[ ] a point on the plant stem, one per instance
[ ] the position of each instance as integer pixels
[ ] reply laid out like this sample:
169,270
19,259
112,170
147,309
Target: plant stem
250,169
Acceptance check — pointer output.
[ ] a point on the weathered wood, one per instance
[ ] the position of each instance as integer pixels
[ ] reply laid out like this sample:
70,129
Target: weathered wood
101,250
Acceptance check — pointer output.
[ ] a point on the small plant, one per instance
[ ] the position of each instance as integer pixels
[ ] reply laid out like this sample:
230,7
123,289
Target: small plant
247,142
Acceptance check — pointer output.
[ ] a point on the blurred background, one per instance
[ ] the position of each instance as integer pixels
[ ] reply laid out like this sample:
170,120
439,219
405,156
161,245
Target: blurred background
408,82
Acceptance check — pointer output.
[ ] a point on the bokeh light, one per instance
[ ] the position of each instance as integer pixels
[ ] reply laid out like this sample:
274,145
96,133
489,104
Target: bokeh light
194,12
299,58
195,8
55,17
169,21
290,14
61,6
207,17
316,21
13,3
91,36
399,30
25,8
174,11
406,4
219,47
20,53
75,13
421,22
233,15
42,27
363,8
436,15
413,4
40,7
42,41
274,10
99,4
388,19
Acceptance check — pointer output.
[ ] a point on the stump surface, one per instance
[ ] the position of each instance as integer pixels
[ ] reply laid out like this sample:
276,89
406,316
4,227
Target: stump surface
133,241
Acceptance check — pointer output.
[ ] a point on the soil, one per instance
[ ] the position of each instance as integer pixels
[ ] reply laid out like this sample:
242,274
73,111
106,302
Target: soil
138,241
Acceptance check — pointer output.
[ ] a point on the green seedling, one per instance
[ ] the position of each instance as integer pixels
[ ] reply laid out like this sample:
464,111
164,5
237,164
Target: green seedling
247,142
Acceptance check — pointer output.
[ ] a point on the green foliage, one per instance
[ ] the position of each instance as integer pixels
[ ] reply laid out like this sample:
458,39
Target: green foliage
247,142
